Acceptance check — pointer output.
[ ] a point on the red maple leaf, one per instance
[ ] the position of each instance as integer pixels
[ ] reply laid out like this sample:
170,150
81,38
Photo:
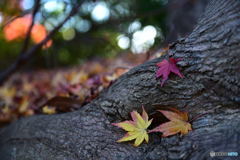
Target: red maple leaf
166,67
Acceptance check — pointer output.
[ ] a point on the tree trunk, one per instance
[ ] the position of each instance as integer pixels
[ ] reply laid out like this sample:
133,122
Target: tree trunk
182,17
210,64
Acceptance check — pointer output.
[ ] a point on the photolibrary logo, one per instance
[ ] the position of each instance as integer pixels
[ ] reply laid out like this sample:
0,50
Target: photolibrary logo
218,154
212,154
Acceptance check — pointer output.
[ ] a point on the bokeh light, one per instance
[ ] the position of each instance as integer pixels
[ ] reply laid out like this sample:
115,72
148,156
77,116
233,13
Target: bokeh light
123,41
53,6
68,34
134,26
143,39
27,4
83,25
1,18
100,12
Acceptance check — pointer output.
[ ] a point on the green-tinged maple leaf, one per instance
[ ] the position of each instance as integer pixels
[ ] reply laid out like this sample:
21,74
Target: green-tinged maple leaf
136,129
178,123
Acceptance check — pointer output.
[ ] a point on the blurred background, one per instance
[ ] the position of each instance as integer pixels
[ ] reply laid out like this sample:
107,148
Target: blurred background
100,28
103,40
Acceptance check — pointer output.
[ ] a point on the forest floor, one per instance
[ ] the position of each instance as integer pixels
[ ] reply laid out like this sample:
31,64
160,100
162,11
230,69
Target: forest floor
60,90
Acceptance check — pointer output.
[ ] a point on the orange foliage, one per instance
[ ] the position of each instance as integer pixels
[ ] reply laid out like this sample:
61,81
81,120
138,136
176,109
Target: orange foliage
38,33
18,29
178,123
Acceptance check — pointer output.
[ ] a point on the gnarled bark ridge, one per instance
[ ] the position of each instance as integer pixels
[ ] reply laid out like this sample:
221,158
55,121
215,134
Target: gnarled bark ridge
210,63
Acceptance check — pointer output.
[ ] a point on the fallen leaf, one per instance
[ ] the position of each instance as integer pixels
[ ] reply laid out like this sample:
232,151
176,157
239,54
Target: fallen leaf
162,51
48,110
137,129
7,93
76,77
61,104
5,110
24,105
178,123
166,67
73,87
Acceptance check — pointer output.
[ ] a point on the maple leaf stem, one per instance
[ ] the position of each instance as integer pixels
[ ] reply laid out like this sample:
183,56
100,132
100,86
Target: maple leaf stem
196,117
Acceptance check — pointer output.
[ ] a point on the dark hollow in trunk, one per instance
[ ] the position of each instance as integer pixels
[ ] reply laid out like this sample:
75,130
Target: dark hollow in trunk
211,65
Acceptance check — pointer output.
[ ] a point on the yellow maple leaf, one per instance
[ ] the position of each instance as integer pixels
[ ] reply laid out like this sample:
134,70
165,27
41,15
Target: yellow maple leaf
48,110
24,105
178,123
7,93
136,129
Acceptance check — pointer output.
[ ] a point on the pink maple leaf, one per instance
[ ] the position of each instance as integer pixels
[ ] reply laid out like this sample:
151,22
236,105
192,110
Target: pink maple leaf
166,67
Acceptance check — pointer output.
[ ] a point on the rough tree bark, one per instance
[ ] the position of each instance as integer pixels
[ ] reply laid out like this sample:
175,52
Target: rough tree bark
210,63
182,17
